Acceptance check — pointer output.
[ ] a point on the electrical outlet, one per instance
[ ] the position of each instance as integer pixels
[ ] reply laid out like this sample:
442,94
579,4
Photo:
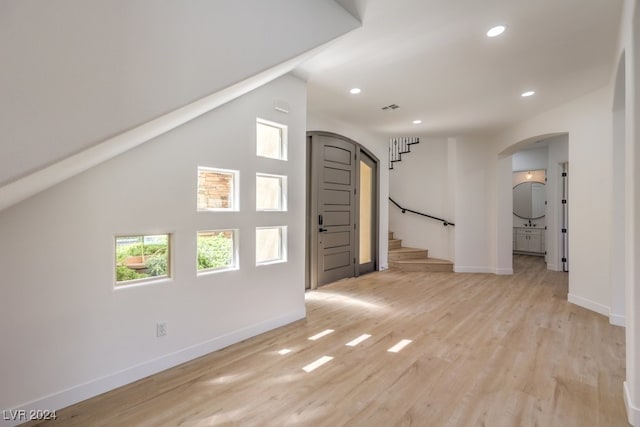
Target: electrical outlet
161,329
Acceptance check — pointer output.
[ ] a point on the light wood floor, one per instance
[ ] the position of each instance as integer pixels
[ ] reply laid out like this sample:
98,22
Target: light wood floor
486,351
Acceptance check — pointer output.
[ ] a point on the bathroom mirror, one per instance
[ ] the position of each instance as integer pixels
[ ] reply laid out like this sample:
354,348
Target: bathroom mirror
528,200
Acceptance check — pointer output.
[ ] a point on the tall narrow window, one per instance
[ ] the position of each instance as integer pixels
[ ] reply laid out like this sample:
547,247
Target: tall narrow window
217,189
141,258
271,245
271,192
217,251
271,140
366,208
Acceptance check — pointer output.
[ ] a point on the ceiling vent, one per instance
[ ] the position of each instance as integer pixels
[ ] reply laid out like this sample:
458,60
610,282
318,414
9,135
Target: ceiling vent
391,107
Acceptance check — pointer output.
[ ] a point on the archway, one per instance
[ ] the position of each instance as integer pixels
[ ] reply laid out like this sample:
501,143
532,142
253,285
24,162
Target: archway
555,239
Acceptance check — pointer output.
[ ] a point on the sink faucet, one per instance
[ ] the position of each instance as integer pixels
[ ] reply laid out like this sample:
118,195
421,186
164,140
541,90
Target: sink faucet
529,223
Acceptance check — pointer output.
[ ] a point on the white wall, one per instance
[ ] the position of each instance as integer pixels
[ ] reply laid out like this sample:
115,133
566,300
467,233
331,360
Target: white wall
475,229
630,45
68,334
530,159
420,182
378,145
75,73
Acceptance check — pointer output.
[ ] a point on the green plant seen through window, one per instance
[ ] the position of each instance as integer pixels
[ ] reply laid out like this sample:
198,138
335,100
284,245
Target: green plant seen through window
139,257
215,250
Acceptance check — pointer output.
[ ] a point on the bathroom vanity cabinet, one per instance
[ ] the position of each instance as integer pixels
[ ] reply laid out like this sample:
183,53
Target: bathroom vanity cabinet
528,240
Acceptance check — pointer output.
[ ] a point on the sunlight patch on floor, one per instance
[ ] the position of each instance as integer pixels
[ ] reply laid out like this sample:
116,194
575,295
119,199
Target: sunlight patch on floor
358,340
231,378
402,344
343,300
321,334
315,365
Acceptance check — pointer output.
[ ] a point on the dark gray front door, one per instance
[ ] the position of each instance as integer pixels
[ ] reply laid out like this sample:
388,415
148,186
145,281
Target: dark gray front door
334,178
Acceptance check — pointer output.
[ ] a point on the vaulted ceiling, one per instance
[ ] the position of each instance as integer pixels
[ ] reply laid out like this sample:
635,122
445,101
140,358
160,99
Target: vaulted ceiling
433,59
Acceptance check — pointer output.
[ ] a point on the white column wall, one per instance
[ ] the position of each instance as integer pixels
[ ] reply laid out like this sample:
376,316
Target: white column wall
475,199
631,46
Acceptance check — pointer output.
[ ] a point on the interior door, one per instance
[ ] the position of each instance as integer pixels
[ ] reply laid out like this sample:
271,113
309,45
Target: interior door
333,205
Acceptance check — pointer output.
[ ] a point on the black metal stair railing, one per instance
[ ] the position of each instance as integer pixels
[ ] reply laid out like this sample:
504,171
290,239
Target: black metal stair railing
400,146
405,210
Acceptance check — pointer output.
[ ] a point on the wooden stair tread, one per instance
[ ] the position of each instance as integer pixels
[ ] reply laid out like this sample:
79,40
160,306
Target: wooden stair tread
404,249
395,244
424,261
410,259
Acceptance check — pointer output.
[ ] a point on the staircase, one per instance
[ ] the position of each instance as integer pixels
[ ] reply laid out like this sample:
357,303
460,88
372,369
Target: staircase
412,259
400,146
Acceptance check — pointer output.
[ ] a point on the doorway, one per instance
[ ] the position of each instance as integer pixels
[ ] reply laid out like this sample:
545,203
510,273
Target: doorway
342,209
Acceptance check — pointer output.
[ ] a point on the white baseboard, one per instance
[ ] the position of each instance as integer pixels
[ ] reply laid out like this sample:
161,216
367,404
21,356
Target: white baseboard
463,269
499,271
98,386
617,319
633,412
588,304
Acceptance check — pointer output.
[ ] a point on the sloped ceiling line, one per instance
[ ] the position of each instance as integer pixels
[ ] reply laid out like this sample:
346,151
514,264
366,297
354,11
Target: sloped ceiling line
30,185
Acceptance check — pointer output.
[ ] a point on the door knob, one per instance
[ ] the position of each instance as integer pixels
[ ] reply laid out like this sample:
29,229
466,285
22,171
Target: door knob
322,230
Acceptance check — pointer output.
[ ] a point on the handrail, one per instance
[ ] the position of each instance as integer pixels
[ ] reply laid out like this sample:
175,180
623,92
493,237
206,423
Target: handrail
404,210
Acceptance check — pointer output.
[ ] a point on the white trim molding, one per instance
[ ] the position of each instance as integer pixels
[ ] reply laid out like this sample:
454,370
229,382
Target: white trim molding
553,267
617,319
633,413
588,304
101,385
466,269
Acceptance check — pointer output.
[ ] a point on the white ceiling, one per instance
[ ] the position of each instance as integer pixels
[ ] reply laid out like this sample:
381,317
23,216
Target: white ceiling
432,58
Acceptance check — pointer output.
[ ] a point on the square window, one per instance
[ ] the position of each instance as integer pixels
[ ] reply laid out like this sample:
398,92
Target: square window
271,140
271,192
142,258
217,189
217,251
271,245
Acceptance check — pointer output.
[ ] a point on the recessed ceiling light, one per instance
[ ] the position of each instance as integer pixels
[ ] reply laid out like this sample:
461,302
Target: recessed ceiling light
496,31
417,122
527,93
355,91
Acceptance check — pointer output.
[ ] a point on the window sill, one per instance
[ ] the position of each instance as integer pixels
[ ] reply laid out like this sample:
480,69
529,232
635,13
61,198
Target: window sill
142,282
